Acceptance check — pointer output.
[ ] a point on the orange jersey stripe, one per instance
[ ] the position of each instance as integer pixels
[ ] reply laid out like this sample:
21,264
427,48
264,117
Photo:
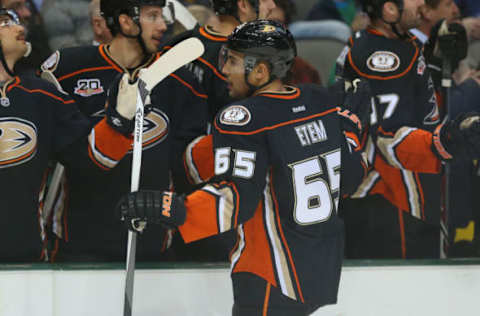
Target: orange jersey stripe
110,141
284,240
268,128
215,71
46,93
204,96
406,71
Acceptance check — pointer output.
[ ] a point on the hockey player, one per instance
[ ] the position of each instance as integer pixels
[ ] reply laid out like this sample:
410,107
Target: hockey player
280,164
178,114
38,123
230,13
408,142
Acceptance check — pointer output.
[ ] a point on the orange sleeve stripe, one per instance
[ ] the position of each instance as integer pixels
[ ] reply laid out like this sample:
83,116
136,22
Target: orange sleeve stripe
415,153
46,93
358,71
201,220
111,142
284,240
203,159
215,71
92,158
268,128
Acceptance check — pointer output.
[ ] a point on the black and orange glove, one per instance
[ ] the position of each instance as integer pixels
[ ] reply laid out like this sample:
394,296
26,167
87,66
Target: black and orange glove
137,209
459,138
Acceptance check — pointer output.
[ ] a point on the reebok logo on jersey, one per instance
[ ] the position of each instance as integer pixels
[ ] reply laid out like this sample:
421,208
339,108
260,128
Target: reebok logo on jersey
383,61
235,115
18,141
298,109
88,87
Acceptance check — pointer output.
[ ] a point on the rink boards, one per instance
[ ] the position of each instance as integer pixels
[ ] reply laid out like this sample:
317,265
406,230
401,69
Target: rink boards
367,288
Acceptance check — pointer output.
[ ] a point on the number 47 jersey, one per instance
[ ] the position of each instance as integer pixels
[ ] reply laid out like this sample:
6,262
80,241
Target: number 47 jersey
281,163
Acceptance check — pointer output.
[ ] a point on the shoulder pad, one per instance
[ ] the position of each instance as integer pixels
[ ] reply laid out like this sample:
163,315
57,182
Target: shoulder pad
377,57
71,59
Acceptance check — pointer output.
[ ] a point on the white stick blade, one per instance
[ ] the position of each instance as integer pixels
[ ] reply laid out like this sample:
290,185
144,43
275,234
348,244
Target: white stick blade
179,55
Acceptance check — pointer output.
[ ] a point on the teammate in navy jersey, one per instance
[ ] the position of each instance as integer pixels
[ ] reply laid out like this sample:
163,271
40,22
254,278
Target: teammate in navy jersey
282,157
407,145
39,123
178,114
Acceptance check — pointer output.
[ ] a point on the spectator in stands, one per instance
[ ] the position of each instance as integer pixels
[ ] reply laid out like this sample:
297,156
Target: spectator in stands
302,71
343,10
67,23
469,7
101,33
36,35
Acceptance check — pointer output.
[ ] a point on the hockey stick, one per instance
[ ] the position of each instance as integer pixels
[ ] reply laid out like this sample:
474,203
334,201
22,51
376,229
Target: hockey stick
179,55
59,169
445,209
182,15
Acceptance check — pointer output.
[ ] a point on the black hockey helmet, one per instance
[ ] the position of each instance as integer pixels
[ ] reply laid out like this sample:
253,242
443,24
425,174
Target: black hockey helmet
264,40
111,9
229,7
374,7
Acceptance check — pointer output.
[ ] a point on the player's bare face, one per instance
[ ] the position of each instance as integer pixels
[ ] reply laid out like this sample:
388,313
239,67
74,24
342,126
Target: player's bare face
446,9
234,71
411,15
266,8
153,27
12,37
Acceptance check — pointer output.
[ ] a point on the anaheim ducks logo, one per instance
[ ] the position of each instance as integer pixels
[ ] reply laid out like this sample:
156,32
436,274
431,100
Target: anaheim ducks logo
18,141
235,115
155,128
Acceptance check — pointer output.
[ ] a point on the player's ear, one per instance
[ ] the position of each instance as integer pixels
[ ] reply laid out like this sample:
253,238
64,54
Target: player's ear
390,11
127,25
261,72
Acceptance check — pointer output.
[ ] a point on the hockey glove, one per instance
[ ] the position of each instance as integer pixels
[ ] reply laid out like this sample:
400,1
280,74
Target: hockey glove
139,208
458,138
355,108
447,41
122,104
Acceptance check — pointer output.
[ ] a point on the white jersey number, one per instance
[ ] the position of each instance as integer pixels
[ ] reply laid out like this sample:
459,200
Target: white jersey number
313,195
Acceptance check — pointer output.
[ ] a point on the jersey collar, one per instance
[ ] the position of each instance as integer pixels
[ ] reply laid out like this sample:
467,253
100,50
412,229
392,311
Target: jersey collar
291,93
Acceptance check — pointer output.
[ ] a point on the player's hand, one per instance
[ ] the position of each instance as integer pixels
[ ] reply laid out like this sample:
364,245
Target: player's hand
355,107
459,138
139,208
122,104
447,41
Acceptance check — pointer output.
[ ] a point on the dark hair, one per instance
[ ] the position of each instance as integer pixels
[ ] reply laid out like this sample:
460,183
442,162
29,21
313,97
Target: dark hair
432,3
289,9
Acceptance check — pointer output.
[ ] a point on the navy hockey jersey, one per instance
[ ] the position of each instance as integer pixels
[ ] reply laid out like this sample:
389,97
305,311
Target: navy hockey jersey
280,164
400,149
177,116
38,123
